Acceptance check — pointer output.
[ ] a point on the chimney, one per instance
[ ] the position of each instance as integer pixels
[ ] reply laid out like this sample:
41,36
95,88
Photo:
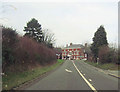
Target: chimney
85,45
66,45
70,44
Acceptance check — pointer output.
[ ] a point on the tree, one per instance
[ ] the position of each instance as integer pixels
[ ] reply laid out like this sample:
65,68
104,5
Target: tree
99,40
48,38
33,30
118,55
88,52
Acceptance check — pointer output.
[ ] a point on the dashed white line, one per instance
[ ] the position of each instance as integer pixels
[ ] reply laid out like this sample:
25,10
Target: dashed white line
90,80
90,85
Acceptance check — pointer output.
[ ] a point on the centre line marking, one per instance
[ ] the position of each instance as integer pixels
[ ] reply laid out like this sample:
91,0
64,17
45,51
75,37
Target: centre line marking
90,85
90,80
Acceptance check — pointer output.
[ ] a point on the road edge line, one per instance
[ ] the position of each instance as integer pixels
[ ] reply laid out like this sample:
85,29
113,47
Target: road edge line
90,85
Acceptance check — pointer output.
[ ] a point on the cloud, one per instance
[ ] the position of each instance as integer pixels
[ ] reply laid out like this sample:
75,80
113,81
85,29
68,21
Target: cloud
71,22
61,1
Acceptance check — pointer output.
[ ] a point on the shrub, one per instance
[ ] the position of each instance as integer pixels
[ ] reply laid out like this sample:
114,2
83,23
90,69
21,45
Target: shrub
9,38
107,55
103,53
23,51
28,50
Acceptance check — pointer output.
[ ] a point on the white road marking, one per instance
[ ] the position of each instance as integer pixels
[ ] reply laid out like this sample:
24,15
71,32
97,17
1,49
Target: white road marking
67,70
6,86
90,80
90,85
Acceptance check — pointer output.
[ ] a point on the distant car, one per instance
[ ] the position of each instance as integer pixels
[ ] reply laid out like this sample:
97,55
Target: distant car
84,59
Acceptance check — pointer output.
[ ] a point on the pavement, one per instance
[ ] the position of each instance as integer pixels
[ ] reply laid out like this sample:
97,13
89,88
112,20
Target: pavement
114,73
75,75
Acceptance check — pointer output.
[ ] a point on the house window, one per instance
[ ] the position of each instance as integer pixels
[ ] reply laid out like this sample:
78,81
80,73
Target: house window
74,49
78,49
74,57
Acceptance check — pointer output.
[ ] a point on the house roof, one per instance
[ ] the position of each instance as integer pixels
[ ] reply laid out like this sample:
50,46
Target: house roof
75,46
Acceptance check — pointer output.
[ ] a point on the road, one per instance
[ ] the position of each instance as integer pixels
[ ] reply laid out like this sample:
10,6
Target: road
76,75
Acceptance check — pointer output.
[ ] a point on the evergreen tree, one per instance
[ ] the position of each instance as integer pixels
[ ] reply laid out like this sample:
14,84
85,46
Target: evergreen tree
99,40
33,30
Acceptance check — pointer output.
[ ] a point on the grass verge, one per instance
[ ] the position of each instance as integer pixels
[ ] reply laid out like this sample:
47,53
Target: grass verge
11,80
107,66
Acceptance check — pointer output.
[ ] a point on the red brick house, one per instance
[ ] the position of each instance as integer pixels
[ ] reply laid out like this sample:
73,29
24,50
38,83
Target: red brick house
74,51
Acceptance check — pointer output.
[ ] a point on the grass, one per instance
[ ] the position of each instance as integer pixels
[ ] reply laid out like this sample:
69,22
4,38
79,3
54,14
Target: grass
107,66
11,80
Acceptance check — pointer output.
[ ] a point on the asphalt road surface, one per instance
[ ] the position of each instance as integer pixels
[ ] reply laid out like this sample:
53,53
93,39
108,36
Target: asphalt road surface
76,75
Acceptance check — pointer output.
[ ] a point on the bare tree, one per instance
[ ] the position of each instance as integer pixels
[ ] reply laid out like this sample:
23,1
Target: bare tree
48,38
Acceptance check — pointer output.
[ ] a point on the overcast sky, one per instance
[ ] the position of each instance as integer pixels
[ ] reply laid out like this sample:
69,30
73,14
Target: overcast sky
73,21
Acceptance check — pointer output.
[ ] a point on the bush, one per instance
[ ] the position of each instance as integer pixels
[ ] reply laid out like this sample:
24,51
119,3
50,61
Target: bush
9,38
118,56
107,55
103,53
29,51
23,51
